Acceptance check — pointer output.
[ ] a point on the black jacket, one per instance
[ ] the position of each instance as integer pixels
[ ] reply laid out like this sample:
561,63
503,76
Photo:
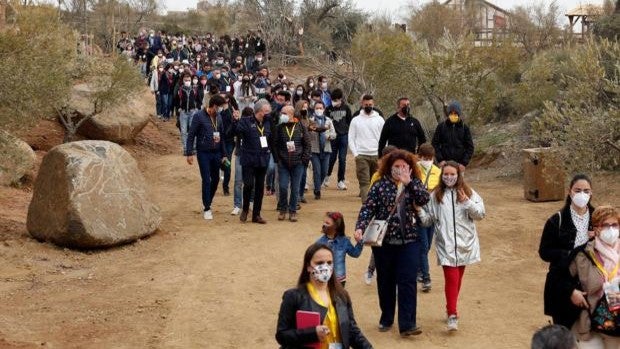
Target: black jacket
201,131
453,142
557,248
341,116
289,337
248,131
300,136
404,134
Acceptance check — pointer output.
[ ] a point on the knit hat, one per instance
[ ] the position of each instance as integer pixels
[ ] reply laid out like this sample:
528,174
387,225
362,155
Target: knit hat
455,106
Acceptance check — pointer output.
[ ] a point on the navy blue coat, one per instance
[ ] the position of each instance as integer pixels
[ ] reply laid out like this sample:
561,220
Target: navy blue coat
247,131
202,130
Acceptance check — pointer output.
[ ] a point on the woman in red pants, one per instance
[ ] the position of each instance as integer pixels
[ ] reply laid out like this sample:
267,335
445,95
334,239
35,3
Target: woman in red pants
453,207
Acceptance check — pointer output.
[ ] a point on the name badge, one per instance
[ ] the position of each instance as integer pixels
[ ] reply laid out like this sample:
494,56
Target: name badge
216,137
263,142
335,346
290,146
227,88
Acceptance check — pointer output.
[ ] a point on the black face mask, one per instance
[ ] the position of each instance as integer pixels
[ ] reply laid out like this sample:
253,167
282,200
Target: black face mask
368,110
405,110
303,112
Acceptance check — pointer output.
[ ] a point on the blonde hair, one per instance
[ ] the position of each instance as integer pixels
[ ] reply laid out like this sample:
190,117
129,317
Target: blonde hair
604,212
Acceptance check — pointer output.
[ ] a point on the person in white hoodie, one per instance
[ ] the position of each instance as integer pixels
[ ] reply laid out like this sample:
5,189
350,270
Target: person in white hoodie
364,134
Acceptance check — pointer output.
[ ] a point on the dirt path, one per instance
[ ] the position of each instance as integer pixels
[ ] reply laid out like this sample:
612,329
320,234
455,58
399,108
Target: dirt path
218,284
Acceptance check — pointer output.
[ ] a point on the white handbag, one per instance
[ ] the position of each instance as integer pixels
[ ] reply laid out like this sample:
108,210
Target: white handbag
377,228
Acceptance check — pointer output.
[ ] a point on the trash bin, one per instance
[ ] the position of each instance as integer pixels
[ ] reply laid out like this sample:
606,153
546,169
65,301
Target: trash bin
543,175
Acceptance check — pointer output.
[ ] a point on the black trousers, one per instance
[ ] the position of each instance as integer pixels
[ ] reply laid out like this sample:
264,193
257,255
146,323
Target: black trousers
253,180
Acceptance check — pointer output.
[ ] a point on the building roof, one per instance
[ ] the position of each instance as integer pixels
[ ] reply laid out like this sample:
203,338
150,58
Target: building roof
487,3
586,10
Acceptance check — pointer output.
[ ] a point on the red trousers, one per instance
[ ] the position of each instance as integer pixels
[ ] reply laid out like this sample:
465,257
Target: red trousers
453,277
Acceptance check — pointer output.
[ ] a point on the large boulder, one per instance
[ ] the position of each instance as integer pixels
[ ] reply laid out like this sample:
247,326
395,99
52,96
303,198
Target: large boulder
90,194
118,123
16,158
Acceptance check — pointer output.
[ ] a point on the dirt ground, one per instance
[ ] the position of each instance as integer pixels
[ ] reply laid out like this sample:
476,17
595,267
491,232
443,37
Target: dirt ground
218,284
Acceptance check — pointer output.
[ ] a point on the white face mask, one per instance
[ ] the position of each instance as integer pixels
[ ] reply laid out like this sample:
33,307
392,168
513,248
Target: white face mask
324,85
319,112
336,104
187,83
220,109
449,180
311,84
195,81
300,92
581,199
217,76
322,272
283,118
609,235
426,163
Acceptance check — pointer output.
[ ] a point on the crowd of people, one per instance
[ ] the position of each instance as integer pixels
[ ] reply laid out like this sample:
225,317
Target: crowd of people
234,114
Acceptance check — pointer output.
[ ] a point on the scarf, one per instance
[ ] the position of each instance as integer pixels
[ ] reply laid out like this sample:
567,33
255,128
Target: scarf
609,255
321,122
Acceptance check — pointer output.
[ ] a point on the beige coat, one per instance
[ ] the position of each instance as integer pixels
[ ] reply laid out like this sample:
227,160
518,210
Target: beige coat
592,281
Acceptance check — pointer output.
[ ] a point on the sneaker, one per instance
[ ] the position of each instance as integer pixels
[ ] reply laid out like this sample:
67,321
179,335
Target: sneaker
281,215
384,328
303,200
244,216
208,215
326,182
426,286
341,186
412,332
235,212
368,277
453,323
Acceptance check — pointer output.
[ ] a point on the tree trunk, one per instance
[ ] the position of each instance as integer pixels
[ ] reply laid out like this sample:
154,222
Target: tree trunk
617,7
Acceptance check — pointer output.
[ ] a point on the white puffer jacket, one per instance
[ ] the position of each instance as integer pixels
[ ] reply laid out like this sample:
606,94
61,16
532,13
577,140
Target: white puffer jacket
456,240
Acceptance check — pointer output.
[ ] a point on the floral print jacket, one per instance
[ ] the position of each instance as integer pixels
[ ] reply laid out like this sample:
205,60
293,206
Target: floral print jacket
381,199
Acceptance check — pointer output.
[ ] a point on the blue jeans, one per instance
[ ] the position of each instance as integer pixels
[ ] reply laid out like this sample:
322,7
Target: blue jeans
158,107
271,174
339,150
238,189
320,165
302,183
397,267
165,101
185,120
426,238
289,177
209,164
229,150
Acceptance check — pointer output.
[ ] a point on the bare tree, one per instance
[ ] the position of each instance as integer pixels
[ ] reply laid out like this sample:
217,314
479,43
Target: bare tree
535,26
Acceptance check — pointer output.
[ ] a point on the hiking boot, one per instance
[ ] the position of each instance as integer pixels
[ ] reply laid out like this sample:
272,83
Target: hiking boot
317,195
303,200
281,215
259,220
426,286
453,323
244,216
292,217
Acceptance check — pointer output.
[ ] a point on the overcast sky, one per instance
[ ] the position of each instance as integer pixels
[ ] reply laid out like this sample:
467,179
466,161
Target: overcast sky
393,7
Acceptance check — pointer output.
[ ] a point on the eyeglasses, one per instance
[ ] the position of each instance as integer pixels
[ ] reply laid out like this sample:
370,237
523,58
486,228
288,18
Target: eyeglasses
609,225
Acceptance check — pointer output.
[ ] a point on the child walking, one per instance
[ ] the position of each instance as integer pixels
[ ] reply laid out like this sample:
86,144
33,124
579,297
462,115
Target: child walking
334,237
453,207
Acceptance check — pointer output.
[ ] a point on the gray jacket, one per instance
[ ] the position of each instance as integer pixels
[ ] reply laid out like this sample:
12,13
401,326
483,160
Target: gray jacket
456,241
330,134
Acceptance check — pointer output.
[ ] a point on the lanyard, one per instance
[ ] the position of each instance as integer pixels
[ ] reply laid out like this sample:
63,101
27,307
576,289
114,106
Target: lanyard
602,269
214,124
290,133
261,130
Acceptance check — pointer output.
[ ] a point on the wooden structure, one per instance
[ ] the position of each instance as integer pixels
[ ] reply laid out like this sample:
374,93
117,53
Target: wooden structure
587,15
489,21
543,175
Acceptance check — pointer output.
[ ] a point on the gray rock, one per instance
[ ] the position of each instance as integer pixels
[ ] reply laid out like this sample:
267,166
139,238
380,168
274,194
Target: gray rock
90,194
16,158
119,124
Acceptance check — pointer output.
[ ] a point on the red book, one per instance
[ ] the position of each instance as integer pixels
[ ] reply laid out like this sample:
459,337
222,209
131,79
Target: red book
307,319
